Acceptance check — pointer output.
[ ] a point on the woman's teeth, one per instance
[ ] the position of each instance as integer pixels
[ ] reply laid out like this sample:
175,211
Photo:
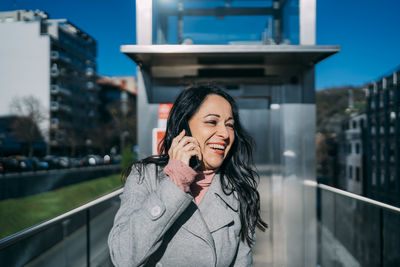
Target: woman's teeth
218,147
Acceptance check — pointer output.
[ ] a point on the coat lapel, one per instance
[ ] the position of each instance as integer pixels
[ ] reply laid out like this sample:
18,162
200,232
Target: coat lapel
216,207
214,212
196,225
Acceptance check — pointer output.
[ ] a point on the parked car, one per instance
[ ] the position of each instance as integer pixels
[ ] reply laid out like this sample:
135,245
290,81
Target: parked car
107,159
39,164
11,164
64,162
76,162
116,159
1,166
52,161
25,164
93,160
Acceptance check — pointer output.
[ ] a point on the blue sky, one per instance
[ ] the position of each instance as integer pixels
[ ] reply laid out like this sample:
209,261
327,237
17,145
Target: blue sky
366,30
368,34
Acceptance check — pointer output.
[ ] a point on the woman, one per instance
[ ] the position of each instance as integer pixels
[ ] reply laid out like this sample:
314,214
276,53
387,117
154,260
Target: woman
172,215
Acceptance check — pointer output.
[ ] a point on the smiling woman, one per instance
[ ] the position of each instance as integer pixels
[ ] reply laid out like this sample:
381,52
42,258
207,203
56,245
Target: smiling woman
173,215
213,127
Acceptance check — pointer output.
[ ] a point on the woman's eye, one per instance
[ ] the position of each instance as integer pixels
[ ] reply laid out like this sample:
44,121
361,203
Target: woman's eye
230,125
212,122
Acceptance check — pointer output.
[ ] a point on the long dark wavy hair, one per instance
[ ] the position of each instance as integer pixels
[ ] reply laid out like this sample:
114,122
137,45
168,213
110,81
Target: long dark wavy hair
238,165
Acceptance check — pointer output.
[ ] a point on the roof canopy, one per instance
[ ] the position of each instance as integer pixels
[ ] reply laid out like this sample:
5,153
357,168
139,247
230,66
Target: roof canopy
249,63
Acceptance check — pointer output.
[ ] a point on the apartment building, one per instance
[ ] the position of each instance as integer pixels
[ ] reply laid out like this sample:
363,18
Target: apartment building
383,140
351,153
55,61
117,111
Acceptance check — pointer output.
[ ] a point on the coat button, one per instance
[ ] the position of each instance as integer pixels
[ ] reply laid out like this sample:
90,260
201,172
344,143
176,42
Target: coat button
155,211
159,264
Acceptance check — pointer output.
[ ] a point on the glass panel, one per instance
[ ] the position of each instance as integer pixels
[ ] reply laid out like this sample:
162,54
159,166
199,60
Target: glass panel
23,251
70,250
101,222
356,233
391,238
225,22
254,116
65,243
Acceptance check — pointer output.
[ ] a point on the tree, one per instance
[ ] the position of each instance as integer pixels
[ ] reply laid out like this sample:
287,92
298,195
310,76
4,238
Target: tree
30,114
124,122
72,139
103,137
119,129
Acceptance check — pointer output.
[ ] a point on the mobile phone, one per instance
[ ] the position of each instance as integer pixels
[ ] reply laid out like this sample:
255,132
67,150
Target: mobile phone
194,161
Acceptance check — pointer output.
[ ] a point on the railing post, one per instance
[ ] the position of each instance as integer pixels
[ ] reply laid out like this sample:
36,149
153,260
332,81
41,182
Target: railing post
381,237
88,237
65,235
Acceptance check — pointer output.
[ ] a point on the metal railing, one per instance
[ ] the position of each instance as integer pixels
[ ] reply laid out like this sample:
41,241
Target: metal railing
356,231
26,247
352,231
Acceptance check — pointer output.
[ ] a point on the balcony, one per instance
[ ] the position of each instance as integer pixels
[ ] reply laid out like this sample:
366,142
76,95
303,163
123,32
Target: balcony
56,89
54,123
54,72
56,106
90,86
56,55
350,231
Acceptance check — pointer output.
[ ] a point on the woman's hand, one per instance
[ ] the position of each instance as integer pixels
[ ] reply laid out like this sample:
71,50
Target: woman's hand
184,147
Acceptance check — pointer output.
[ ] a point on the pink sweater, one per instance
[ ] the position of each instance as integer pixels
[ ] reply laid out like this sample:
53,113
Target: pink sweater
188,179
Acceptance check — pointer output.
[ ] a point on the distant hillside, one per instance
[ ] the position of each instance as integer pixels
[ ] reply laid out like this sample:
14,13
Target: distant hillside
332,104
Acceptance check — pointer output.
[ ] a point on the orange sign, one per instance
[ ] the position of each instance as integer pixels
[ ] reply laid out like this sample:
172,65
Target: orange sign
163,111
158,135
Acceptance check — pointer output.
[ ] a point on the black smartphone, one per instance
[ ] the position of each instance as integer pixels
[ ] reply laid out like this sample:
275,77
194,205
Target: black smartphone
194,161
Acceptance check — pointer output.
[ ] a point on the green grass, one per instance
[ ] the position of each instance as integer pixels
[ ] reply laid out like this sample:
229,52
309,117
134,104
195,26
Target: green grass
17,214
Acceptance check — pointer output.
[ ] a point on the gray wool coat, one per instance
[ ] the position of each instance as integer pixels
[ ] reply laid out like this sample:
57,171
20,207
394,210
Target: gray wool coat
158,224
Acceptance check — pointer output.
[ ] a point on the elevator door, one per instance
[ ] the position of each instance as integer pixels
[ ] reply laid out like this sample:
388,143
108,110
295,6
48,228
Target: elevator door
254,116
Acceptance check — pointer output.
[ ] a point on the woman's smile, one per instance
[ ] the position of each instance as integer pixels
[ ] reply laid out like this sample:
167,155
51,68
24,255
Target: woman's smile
218,148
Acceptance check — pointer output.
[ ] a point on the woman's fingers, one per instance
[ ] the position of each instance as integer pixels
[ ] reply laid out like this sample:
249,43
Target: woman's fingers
186,140
197,152
184,147
177,138
175,142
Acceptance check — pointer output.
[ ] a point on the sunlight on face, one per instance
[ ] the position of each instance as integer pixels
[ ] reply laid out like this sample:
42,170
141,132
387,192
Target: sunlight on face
213,127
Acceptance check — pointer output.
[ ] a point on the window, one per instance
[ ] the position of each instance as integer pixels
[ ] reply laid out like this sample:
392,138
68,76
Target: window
354,124
373,178
362,123
357,174
392,175
357,148
350,172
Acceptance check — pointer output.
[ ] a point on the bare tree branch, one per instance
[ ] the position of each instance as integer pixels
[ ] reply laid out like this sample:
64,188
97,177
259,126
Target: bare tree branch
30,114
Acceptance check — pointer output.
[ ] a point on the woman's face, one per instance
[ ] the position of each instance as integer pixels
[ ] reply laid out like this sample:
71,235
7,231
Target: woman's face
213,127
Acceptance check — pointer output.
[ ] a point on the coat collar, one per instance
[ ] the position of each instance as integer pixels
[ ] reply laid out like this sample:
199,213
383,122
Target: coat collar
217,208
231,200
215,211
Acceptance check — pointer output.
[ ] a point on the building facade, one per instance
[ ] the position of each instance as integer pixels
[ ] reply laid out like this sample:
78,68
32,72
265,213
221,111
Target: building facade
117,111
351,153
54,61
383,140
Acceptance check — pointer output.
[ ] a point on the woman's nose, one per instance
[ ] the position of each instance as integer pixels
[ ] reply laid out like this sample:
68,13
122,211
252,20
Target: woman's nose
223,131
